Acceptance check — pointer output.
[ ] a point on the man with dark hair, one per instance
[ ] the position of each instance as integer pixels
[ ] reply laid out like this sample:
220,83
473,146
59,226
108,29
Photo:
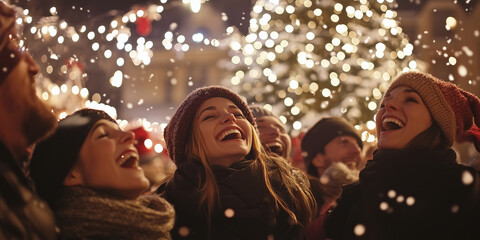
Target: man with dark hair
24,119
331,151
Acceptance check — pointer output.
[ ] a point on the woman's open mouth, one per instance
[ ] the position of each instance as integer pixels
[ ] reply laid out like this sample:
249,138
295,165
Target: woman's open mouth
230,134
275,147
390,123
128,160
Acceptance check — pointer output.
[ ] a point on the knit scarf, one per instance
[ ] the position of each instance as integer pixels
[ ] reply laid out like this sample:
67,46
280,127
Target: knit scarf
85,213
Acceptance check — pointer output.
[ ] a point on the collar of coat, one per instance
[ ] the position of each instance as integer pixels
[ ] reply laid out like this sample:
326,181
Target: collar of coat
396,168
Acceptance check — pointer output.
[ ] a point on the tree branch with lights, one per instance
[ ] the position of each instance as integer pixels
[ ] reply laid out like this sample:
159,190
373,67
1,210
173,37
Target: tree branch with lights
306,59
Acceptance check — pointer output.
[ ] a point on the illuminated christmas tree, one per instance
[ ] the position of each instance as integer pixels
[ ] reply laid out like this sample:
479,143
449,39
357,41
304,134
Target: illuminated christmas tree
304,58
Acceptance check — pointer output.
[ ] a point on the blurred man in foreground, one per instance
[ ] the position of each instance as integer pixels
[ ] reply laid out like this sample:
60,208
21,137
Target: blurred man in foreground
24,119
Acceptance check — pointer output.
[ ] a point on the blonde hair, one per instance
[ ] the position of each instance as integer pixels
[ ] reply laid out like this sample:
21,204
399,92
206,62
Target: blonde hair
299,203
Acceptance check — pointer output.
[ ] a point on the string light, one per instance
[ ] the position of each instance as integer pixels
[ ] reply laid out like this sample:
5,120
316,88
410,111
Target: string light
317,76
85,41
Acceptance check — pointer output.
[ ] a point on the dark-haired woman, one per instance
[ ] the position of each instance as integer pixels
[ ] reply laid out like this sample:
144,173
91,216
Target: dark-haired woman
414,188
88,172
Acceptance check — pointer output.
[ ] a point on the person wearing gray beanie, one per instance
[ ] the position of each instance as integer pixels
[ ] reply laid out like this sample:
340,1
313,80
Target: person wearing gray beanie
88,172
226,186
413,188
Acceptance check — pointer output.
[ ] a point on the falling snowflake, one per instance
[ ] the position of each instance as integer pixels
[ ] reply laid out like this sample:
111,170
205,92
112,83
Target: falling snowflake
229,213
359,230
455,208
392,193
384,206
410,201
467,178
183,231
400,198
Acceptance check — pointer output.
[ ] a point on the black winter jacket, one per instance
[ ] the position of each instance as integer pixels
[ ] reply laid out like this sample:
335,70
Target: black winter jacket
407,194
245,211
22,214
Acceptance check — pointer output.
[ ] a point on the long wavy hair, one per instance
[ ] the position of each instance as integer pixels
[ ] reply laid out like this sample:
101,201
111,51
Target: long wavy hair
299,203
431,138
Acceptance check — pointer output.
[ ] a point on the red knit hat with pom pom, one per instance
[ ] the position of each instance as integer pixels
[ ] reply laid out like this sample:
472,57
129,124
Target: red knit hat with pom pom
456,111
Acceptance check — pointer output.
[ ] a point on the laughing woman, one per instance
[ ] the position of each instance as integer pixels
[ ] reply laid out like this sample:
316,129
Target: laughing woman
88,172
414,188
226,186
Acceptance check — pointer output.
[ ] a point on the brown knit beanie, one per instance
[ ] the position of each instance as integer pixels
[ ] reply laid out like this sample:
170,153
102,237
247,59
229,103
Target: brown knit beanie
8,57
456,111
180,127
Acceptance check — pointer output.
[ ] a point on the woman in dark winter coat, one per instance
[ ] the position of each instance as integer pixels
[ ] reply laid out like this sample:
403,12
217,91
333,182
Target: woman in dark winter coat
226,186
414,188
88,172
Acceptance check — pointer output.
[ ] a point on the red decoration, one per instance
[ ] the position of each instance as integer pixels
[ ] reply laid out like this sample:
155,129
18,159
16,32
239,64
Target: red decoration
140,136
144,26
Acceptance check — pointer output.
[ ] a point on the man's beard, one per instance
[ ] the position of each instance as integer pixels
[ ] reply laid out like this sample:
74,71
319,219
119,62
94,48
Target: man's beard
38,122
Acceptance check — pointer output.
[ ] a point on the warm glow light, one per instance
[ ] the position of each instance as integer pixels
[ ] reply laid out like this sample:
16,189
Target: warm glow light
195,5
101,29
84,93
107,53
117,79
75,90
148,143
53,10
158,148
297,125
75,37
197,37
55,90
450,23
